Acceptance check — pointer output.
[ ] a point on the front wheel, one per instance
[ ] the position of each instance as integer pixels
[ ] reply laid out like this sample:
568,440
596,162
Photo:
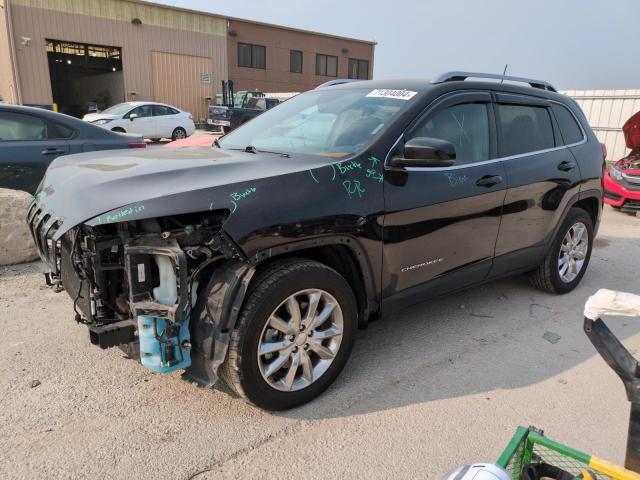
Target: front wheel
568,257
178,134
293,337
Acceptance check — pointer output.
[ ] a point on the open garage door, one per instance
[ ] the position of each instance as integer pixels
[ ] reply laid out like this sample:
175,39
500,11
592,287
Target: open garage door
184,81
84,77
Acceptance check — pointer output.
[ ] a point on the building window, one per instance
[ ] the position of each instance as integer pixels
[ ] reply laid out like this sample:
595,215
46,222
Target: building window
252,56
296,61
358,69
326,65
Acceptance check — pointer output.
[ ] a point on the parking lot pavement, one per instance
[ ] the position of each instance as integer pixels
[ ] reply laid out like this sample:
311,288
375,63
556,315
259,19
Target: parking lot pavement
427,389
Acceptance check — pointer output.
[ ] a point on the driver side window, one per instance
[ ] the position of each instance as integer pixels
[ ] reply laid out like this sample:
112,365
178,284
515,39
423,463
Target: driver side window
465,125
141,111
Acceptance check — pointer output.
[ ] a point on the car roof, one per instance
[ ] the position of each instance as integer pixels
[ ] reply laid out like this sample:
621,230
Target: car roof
137,103
423,85
43,112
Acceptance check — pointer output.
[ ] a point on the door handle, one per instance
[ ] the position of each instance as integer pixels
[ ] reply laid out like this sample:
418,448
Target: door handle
489,181
566,166
53,151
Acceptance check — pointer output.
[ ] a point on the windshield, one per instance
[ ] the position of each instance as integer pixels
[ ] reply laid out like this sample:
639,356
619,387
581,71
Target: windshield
119,109
333,123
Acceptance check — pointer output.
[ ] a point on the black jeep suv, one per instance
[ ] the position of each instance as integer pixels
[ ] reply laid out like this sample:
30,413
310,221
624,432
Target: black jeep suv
256,260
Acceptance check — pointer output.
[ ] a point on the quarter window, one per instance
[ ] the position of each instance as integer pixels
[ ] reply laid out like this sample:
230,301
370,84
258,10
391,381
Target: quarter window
326,65
296,61
466,126
569,128
525,129
252,56
358,69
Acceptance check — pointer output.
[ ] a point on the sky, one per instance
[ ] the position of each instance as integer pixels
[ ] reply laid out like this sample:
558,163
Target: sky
574,44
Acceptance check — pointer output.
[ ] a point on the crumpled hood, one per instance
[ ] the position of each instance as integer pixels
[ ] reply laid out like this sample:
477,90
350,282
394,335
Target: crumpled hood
631,163
152,182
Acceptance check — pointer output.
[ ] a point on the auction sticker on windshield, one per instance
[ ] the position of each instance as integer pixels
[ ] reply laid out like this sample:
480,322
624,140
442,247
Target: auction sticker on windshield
386,93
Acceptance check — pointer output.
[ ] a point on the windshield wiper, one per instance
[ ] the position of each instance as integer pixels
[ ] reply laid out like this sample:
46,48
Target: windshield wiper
252,149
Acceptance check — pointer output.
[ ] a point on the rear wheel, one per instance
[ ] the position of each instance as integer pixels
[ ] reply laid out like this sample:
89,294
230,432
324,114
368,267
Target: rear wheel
568,257
178,134
294,335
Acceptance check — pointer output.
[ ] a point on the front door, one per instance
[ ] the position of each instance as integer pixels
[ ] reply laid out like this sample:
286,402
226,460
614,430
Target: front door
441,223
144,123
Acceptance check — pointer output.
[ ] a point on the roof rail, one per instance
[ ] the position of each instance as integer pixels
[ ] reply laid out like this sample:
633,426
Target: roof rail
459,76
337,81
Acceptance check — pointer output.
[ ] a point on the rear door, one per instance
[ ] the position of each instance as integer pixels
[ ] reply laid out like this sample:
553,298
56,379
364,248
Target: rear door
166,119
28,144
542,176
441,223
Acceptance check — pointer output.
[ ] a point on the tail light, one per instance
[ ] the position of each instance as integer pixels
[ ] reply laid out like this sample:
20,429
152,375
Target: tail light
142,144
604,151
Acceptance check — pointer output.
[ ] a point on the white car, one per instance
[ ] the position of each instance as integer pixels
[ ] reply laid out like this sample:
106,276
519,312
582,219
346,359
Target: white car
149,119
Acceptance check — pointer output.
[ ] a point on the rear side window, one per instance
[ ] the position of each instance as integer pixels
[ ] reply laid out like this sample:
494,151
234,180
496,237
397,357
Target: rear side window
569,128
20,127
465,125
525,129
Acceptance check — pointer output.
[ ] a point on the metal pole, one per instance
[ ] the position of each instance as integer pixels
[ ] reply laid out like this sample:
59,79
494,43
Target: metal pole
632,461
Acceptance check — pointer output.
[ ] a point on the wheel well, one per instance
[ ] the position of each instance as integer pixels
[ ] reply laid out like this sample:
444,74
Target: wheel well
343,260
590,205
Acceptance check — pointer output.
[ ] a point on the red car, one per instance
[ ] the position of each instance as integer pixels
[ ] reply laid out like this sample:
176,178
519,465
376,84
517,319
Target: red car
622,182
193,141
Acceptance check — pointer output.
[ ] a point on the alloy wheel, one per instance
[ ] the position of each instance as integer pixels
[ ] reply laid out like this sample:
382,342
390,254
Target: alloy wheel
573,252
300,340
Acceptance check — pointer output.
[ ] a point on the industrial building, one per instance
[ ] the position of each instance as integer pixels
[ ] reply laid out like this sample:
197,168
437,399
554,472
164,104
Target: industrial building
73,53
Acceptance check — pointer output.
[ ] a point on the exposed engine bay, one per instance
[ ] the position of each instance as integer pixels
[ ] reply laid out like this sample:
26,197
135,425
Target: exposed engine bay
135,284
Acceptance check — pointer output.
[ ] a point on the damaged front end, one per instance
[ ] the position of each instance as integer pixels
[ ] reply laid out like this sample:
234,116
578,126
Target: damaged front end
165,290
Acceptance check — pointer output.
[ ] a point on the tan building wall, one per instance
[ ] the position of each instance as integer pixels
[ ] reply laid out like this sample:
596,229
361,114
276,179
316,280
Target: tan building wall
279,41
108,22
7,87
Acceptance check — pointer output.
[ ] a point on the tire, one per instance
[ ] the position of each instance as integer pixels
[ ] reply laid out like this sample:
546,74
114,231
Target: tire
548,276
178,133
118,130
244,369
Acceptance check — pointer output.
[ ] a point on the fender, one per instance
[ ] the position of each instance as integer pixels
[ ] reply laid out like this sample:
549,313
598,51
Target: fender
571,203
371,282
218,305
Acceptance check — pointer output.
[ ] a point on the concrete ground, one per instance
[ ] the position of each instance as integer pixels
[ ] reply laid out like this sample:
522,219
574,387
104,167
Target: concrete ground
427,389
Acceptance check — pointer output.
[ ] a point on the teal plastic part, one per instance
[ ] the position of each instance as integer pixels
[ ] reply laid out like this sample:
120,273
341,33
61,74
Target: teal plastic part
167,354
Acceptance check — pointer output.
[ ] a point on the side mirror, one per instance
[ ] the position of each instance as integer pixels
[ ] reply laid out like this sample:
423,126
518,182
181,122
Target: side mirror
133,116
426,152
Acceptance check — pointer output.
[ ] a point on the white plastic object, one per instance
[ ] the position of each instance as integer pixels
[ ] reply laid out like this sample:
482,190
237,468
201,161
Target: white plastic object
478,471
610,302
167,292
